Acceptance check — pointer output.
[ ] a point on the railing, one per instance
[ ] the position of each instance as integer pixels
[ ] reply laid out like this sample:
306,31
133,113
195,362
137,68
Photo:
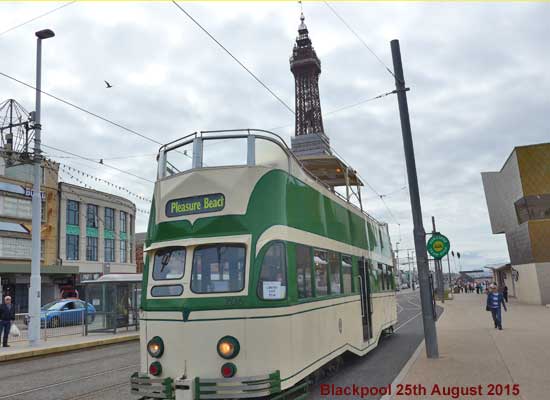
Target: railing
190,151
76,323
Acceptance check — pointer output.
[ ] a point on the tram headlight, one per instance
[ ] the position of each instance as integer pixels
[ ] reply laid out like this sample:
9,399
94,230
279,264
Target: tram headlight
155,368
228,347
155,347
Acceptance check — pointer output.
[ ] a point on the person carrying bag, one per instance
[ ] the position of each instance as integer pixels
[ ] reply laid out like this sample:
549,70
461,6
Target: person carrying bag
7,315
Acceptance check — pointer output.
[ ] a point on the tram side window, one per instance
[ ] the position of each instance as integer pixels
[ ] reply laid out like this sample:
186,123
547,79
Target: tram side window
334,266
347,274
169,263
320,259
218,269
273,283
303,271
391,282
381,277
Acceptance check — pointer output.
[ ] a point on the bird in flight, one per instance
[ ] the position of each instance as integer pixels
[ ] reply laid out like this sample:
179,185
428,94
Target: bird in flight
108,84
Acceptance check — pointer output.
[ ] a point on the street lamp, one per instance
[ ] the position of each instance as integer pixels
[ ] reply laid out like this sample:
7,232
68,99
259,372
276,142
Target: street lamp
36,282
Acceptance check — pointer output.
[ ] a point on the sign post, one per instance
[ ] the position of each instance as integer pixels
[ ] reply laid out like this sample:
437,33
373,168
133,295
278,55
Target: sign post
438,246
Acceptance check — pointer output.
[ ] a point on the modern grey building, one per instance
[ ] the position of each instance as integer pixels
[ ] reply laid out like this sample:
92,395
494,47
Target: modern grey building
518,199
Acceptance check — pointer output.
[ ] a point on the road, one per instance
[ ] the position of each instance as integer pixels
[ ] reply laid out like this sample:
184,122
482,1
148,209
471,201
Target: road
103,373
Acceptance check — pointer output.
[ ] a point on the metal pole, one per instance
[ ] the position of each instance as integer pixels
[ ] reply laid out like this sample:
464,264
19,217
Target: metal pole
449,266
36,281
430,333
438,266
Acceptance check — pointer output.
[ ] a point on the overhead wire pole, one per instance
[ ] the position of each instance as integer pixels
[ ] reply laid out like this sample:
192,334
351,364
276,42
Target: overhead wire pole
36,281
430,333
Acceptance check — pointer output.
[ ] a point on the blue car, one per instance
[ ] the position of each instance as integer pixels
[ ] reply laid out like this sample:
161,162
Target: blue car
65,312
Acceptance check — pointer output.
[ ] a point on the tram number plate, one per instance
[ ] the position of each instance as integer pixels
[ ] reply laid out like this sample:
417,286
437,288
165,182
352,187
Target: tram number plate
195,205
234,301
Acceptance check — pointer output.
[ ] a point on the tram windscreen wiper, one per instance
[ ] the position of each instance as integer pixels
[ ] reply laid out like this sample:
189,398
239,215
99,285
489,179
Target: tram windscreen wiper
165,260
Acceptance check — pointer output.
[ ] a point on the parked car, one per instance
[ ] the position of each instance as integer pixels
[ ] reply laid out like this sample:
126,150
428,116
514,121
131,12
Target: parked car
65,312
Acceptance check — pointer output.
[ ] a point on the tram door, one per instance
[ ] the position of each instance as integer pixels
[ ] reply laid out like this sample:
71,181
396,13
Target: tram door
366,304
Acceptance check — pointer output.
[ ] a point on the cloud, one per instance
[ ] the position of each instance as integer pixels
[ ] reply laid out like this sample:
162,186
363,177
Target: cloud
477,74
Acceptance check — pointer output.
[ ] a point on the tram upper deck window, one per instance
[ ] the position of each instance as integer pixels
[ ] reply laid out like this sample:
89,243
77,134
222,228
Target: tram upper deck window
169,263
320,259
218,268
272,284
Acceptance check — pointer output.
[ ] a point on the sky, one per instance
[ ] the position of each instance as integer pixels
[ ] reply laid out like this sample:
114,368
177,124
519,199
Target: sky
477,72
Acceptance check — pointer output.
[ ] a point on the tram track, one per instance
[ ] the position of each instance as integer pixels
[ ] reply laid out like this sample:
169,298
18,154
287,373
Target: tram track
71,364
68,381
95,392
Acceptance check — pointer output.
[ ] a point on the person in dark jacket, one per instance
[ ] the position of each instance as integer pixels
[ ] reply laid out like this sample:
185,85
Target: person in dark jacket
505,293
7,315
494,301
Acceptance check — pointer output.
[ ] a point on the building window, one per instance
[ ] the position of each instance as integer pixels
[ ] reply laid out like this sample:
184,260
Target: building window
347,274
91,248
533,207
303,271
72,247
131,224
109,219
334,267
91,216
109,250
72,212
320,260
123,221
123,258
131,251
272,284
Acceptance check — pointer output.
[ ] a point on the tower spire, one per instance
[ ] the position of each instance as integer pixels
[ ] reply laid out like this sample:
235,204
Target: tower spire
306,67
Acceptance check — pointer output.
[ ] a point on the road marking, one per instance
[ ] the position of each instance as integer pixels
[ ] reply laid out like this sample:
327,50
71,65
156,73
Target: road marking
399,306
400,326
68,381
405,370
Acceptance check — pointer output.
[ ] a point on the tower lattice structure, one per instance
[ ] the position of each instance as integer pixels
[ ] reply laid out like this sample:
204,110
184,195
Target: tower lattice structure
310,137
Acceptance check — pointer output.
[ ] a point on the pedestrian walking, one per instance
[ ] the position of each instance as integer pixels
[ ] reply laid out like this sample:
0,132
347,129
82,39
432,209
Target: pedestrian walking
7,315
494,301
505,293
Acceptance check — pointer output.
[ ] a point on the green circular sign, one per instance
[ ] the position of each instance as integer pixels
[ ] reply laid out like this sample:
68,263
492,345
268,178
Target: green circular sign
438,246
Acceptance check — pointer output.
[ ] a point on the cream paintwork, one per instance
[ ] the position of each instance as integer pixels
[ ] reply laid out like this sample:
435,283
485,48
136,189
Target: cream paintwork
281,232
190,245
239,181
291,343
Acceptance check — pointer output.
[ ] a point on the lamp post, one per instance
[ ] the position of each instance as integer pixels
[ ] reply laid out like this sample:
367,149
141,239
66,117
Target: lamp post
36,281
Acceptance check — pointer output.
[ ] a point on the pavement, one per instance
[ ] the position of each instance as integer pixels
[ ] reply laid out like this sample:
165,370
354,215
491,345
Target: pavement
21,349
473,353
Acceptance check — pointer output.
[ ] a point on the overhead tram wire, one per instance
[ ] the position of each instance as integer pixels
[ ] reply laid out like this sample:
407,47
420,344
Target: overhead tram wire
133,132
388,69
98,162
235,58
37,17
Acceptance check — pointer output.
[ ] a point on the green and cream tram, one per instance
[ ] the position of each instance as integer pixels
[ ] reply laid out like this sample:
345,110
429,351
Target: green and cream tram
256,274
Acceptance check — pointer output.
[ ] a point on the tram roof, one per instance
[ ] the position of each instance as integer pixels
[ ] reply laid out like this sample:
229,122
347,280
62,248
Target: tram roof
330,170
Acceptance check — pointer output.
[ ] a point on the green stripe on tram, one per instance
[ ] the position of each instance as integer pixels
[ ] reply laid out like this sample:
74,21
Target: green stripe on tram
277,199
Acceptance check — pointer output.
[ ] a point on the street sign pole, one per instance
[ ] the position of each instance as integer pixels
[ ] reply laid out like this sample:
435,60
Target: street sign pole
430,334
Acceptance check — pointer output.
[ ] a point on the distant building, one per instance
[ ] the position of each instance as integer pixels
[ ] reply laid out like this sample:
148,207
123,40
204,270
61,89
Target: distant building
96,232
518,199
140,243
475,277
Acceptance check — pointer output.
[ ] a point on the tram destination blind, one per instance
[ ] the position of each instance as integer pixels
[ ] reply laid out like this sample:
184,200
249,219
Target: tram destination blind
195,205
